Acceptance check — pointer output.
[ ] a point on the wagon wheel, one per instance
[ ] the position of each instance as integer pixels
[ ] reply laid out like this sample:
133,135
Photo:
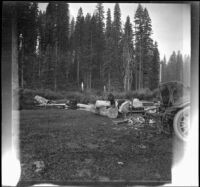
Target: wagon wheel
181,123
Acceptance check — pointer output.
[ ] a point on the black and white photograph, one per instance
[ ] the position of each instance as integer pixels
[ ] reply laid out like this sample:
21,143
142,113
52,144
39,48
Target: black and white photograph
100,93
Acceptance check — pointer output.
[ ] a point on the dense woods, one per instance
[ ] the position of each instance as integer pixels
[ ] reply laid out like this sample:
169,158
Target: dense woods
58,52
177,68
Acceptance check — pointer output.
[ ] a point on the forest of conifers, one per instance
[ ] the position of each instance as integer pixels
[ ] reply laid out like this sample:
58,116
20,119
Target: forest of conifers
59,52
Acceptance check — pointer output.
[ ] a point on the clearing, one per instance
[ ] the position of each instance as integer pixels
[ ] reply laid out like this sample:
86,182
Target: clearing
77,145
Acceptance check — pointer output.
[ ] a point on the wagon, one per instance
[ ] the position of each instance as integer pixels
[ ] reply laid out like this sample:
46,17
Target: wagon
174,110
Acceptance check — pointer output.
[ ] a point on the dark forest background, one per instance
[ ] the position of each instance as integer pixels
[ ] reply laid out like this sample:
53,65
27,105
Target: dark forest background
58,53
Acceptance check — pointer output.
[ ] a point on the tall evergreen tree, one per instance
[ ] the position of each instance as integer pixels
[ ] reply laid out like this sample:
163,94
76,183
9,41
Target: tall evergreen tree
143,47
72,67
72,27
63,44
100,43
150,51
163,70
108,53
41,47
138,45
27,33
117,81
155,68
50,71
128,55
86,67
57,44
187,70
79,42
179,67
94,60
171,68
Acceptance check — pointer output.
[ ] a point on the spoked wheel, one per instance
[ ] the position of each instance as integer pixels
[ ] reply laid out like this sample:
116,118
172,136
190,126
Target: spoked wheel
181,123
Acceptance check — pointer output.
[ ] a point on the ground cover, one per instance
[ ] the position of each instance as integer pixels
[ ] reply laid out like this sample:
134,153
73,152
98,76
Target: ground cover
76,145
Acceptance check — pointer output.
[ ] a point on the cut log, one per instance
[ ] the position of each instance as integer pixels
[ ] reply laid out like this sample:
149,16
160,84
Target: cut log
101,103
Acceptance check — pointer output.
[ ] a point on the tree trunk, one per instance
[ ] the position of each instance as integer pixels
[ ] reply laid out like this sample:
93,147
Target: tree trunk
78,71
22,74
90,80
100,72
128,82
109,84
160,73
85,80
22,66
129,72
125,83
56,62
136,79
139,86
39,72
90,70
14,58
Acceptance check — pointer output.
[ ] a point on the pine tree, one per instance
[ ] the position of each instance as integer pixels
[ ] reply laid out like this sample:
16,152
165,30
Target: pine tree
163,70
79,42
187,70
138,46
100,44
27,33
87,52
127,55
149,58
143,47
72,27
171,68
50,62
179,67
108,53
63,44
22,11
72,67
41,47
94,62
108,24
155,68
117,74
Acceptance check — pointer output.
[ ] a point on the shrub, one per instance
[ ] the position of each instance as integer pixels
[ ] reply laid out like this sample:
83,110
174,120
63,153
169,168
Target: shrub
72,95
156,94
145,94
52,95
26,96
142,94
85,97
119,95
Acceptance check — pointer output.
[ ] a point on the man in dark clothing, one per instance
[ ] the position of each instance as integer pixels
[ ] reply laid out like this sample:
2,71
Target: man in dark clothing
111,98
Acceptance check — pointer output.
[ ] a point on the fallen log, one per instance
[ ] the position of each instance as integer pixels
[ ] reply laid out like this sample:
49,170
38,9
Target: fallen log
111,112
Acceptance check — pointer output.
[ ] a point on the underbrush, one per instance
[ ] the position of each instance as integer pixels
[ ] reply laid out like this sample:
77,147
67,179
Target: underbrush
143,94
26,96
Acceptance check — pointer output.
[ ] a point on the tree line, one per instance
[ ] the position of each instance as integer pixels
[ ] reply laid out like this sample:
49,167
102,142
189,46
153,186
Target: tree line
177,68
59,53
